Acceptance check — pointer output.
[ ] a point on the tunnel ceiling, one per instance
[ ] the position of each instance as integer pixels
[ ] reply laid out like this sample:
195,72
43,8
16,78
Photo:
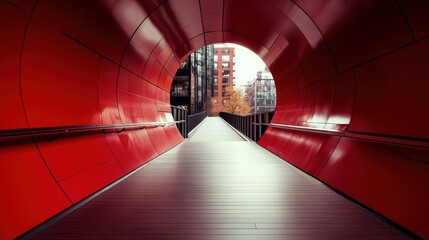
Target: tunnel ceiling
304,43
356,66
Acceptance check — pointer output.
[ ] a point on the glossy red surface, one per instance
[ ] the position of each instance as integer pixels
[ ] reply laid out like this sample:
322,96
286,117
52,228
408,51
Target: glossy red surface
30,195
10,48
380,176
357,66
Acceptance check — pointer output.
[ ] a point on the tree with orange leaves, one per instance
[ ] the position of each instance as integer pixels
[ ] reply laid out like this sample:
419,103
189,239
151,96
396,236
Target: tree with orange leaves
235,102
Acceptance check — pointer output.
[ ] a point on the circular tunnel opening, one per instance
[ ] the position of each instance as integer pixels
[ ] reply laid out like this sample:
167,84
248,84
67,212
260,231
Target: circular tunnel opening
222,78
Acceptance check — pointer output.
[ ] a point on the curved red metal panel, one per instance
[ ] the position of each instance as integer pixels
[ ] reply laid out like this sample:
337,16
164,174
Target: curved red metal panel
355,66
30,194
10,64
378,175
390,93
50,96
74,160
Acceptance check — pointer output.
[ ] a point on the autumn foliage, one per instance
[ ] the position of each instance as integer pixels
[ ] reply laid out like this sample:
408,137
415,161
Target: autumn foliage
235,102
213,107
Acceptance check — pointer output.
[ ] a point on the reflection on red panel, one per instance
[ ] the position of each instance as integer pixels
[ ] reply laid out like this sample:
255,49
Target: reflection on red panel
69,156
10,47
107,92
156,135
129,107
131,149
86,183
140,47
154,72
306,151
172,134
151,91
129,82
378,176
171,65
29,193
164,81
124,150
145,145
149,109
163,52
188,47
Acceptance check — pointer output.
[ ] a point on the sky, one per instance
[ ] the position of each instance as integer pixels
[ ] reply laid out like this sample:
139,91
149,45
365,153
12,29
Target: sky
247,64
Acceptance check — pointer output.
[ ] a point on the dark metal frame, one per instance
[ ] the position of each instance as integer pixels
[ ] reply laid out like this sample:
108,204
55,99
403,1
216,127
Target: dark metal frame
185,122
181,116
253,126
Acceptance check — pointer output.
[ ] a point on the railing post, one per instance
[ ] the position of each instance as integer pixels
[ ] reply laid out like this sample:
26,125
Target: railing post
251,127
186,117
259,127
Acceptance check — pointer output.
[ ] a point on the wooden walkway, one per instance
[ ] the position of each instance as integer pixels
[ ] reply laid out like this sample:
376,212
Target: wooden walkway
217,187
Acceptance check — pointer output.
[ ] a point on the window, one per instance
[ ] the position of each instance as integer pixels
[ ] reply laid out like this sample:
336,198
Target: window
215,72
225,58
225,64
225,50
215,65
225,80
215,80
226,72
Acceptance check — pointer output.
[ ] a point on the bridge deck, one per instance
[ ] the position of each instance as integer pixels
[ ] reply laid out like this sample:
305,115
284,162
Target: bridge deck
217,186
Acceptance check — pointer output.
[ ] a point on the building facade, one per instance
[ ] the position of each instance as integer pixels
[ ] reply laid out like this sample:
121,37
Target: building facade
193,82
223,74
261,93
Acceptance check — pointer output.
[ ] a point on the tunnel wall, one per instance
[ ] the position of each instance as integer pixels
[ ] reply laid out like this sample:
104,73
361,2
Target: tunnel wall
358,67
59,68
367,78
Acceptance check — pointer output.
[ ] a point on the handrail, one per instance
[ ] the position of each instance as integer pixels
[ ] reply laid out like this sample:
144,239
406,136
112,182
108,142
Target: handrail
81,129
253,126
195,119
181,108
197,114
364,136
333,132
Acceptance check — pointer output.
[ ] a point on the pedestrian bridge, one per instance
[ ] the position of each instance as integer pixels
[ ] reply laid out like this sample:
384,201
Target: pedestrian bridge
217,185
85,86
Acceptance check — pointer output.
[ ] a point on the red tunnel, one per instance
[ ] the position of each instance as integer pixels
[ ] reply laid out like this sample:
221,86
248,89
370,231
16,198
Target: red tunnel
358,66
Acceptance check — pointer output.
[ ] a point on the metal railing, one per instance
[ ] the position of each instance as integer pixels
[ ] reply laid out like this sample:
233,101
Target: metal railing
195,119
186,123
253,126
181,114
374,137
55,132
